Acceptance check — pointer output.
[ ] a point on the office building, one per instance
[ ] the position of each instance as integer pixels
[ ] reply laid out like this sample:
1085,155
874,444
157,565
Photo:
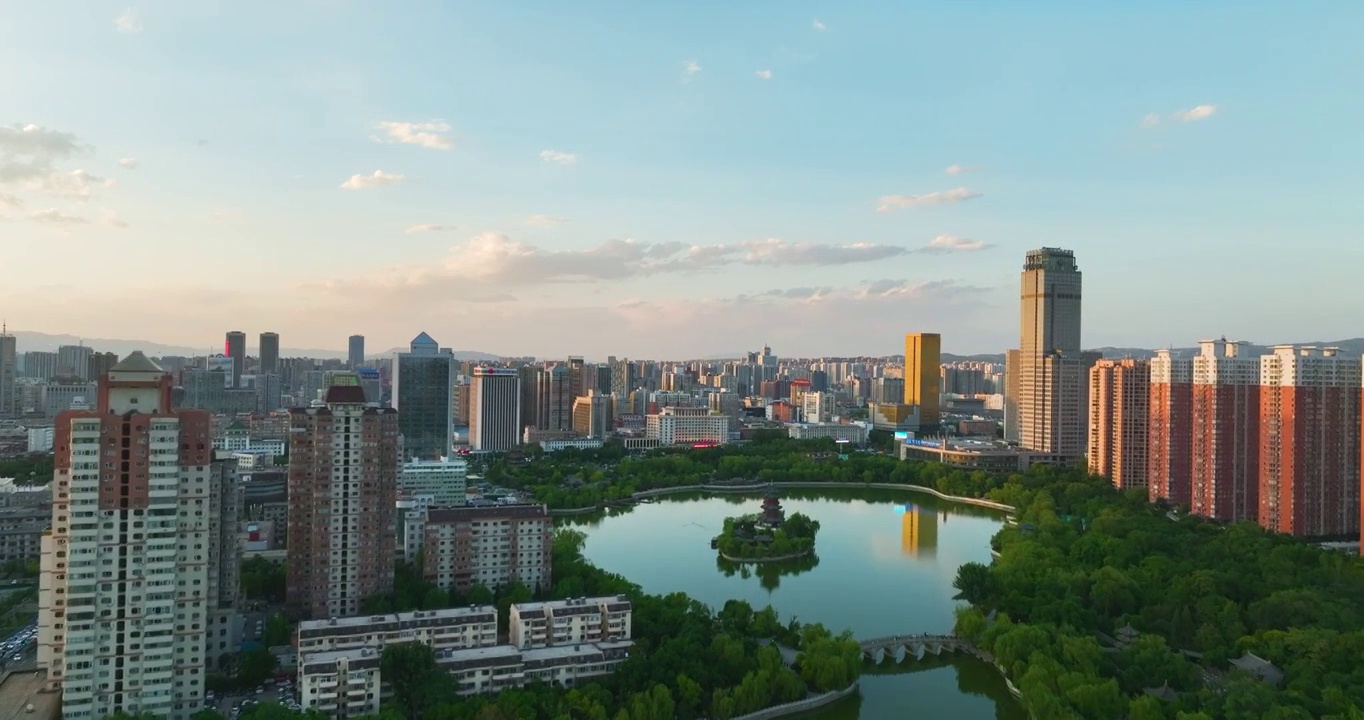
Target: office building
923,376
571,621
818,407
592,415
355,352
40,365
553,399
1053,373
1012,369
125,592
9,373
1170,429
495,415
686,426
1309,413
73,362
442,480
343,468
99,364
269,354
492,546
1119,415
423,381
235,348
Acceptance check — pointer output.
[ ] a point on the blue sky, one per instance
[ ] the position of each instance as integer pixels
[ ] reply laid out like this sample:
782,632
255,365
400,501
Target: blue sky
678,179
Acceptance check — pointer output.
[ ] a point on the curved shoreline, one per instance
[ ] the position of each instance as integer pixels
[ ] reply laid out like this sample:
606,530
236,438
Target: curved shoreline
759,561
658,492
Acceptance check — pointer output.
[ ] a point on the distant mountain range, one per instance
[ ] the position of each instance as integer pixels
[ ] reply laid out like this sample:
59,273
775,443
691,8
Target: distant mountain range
44,342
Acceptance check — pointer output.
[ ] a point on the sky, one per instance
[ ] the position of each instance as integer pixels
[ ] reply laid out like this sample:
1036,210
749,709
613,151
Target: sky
678,180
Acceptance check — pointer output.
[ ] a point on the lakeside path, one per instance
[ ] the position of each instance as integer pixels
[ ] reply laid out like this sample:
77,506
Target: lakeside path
658,492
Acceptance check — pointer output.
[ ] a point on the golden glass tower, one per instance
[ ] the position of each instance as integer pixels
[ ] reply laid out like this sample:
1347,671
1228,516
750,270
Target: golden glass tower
923,375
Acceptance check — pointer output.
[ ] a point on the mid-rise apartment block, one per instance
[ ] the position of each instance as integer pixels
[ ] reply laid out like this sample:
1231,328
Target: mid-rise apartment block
126,592
443,480
447,629
1119,410
343,480
1309,446
686,426
492,546
565,622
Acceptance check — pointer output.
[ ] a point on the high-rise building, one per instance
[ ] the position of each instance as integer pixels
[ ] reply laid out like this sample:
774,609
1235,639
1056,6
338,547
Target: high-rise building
1012,369
1309,482
40,365
592,415
554,399
355,352
1170,429
1053,372
9,367
490,546
1119,415
74,361
1225,417
99,363
495,413
126,592
343,482
269,353
423,383
235,348
923,376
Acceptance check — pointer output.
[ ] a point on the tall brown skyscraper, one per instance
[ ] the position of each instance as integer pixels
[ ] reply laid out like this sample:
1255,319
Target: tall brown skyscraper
343,481
1309,441
1053,373
1119,406
923,376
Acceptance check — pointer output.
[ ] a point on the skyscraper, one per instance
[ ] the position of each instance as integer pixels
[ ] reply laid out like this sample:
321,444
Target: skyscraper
1119,415
269,353
9,365
125,591
923,376
495,415
1170,429
355,354
1053,375
343,481
423,383
74,361
235,348
1309,441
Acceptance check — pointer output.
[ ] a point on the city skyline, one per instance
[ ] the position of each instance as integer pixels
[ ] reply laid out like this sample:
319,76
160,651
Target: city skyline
765,171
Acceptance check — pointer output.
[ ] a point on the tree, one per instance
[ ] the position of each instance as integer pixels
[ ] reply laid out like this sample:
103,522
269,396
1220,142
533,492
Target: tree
255,667
263,580
974,583
418,682
278,631
207,714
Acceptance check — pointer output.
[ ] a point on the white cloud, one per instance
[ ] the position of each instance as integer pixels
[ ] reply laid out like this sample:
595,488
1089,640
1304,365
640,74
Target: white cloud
53,216
891,203
764,74
558,157
128,163
112,219
690,68
429,228
128,23
951,243
378,179
77,184
545,220
426,134
1200,112
30,152
961,169
819,25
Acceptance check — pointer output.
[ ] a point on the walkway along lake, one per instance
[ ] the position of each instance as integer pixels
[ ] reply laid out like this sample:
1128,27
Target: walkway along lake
883,565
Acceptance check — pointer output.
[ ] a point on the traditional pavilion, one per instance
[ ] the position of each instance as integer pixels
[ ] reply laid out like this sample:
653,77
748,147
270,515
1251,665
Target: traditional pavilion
772,515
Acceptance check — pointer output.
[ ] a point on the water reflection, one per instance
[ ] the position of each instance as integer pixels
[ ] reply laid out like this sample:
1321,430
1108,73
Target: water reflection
769,574
918,530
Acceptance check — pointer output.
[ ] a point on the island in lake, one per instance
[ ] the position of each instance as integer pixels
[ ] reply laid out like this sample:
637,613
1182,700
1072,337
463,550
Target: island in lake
767,536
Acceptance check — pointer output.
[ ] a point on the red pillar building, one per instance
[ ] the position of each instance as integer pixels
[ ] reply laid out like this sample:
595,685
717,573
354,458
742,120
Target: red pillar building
1119,421
1224,452
1170,431
1309,442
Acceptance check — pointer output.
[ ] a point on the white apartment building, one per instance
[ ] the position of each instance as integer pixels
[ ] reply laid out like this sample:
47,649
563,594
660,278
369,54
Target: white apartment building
125,589
682,425
444,480
569,622
341,683
855,434
448,629
818,407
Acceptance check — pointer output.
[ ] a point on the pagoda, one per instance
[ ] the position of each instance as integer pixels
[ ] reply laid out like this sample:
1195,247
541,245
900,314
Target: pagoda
772,515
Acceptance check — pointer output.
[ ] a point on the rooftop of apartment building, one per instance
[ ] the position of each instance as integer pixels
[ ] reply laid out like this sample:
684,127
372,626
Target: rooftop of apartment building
486,512
574,606
397,621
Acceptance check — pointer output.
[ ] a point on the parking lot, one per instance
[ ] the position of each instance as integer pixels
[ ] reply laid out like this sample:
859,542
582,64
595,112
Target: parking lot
232,705
19,651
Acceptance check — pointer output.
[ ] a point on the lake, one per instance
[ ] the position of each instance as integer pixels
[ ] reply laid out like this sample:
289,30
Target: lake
885,562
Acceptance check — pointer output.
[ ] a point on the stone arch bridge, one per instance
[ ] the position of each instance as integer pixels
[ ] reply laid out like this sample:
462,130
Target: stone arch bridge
906,647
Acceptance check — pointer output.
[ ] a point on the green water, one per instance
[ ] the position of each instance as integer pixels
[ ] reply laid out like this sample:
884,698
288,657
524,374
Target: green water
885,564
